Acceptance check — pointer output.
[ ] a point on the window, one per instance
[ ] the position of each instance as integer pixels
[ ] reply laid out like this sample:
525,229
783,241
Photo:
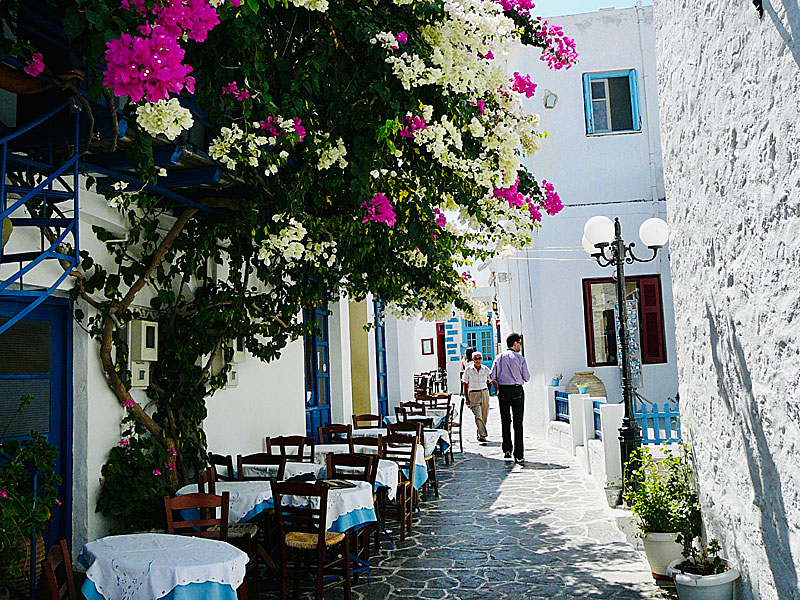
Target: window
612,102
599,299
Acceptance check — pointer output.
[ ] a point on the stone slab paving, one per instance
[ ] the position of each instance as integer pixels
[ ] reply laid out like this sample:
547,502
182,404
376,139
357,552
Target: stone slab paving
500,531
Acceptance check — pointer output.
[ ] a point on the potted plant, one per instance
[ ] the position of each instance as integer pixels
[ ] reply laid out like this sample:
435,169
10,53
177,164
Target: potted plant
701,574
662,496
613,491
556,381
24,512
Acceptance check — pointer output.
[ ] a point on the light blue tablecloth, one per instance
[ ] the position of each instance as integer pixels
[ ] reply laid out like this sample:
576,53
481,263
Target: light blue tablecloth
193,591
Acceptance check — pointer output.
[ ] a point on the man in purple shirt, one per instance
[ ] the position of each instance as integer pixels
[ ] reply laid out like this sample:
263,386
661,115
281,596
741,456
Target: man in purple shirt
509,372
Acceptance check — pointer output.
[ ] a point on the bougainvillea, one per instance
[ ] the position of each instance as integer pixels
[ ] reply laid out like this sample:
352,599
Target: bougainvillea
367,147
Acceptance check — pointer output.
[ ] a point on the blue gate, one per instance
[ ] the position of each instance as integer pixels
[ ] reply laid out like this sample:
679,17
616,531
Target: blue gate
318,385
36,361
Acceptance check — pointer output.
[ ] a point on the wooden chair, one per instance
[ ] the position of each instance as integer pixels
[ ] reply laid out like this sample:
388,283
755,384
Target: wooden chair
456,425
402,449
447,425
226,461
208,525
206,481
356,467
366,421
290,446
260,459
329,433
372,442
416,427
413,408
58,572
302,534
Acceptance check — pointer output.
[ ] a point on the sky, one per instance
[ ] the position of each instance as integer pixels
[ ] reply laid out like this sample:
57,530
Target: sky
552,8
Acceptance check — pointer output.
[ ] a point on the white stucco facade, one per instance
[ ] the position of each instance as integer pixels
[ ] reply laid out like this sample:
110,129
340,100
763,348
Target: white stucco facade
729,88
540,290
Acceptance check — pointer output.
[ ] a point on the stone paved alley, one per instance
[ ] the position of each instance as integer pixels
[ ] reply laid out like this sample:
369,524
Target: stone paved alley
501,531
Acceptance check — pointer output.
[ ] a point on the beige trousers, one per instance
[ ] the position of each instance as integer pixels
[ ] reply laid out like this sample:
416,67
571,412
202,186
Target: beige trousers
479,404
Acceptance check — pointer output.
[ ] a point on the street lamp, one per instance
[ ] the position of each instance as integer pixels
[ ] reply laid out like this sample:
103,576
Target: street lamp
602,239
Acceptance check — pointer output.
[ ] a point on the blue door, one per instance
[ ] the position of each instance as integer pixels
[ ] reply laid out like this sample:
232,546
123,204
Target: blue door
318,384
380,357
481,338
36,361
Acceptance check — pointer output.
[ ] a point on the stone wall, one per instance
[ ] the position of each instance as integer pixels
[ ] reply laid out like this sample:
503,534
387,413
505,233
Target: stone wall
729,99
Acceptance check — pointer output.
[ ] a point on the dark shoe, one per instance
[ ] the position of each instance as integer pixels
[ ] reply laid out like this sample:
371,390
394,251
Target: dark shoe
481,439
507,455
519,461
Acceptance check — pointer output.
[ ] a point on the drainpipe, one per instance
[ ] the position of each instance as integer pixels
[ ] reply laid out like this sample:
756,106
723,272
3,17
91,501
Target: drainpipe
645,110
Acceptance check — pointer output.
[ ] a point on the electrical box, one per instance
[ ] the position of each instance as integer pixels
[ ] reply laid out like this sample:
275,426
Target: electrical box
140,374
233,377
143,340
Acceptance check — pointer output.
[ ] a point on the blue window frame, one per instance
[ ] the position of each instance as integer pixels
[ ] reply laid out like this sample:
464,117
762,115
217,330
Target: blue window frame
611,102
380,357
318,384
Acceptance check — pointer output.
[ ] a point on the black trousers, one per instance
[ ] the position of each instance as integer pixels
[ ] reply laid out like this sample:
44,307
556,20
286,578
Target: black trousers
512,406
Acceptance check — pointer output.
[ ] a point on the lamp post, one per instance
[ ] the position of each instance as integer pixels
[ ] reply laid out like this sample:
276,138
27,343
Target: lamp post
602,239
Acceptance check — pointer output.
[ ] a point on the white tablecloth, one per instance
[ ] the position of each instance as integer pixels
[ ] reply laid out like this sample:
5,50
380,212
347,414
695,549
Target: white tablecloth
431,437
245,496
387,476
341,502
292,470
144,566
420,468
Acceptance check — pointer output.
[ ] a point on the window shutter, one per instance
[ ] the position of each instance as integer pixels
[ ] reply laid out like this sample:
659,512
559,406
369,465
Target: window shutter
587,102
633,80
588,322
652,317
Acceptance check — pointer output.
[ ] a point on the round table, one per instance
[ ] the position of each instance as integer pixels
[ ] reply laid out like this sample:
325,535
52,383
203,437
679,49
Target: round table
248,498
147,566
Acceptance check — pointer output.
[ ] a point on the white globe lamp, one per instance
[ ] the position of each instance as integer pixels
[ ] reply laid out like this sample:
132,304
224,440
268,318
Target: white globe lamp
588,247
599,230
654,233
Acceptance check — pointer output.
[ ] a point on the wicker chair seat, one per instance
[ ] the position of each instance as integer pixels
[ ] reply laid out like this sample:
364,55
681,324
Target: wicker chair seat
308,541
240,530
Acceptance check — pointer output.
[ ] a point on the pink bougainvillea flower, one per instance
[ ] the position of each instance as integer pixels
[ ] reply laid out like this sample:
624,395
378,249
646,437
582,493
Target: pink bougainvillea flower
380,210
172,452
124,442
127,403
169,466
522,7
481,105
523,85
236,2
441,220
559,51
413,124
148,66
3,494
233,89
156,472
58,502
299,129
552,202
401,37
36,66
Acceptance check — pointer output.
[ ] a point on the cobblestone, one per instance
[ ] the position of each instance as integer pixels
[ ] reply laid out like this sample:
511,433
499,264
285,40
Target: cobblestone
500,531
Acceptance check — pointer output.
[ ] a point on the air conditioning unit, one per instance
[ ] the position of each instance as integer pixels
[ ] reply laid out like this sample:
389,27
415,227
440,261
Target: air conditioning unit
140,374
143,340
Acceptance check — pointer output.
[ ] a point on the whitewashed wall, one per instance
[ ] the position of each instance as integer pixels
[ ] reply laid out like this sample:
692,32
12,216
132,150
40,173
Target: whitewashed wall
540,290
730,108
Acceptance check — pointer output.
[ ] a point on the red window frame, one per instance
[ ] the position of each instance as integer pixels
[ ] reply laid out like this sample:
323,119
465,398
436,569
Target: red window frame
651,320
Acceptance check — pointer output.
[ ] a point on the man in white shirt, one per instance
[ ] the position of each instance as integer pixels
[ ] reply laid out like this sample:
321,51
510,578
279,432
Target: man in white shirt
476,379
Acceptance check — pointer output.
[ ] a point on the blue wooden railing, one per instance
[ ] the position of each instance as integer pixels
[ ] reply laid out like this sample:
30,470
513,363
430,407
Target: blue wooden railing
562,406
660,426
598,434
45,196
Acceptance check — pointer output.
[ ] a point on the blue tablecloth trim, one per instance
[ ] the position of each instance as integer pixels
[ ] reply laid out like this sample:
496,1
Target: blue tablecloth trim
352,519
193,591
420,476
258,508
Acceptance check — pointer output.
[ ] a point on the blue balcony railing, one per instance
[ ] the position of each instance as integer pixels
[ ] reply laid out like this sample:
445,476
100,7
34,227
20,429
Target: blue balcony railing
562,406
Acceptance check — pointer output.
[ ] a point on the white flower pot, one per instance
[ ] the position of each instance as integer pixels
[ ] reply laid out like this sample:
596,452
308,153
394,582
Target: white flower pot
704,587
661,549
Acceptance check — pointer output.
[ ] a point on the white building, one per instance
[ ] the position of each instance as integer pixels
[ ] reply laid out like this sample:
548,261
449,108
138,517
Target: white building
729,91
603,155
